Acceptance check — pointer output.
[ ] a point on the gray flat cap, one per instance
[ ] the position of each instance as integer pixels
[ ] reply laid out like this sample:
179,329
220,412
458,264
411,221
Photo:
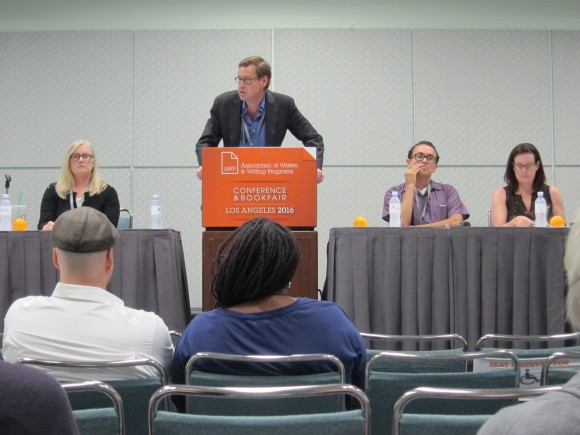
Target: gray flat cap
83,230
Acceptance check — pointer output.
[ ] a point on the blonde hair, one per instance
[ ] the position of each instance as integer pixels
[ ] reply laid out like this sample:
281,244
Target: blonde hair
572,265
66,182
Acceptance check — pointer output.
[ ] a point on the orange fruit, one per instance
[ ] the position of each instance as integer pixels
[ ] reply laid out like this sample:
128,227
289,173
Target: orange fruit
557,221
19,224
360,221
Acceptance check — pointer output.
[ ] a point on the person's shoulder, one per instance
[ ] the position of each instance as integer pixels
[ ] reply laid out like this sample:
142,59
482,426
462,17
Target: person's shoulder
278,98
320,306
227,96
398,188
109,190
26,303
51,188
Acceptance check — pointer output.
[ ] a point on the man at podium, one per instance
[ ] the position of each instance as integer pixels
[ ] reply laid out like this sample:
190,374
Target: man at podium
253,116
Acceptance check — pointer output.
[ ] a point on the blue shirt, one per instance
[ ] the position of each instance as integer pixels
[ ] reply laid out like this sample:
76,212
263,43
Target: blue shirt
254,128
305,326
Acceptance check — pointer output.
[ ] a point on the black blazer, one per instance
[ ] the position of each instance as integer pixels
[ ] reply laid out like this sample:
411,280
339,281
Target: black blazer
281,115
52,205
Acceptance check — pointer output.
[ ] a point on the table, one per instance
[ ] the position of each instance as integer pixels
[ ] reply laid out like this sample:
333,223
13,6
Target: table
149,271
470,281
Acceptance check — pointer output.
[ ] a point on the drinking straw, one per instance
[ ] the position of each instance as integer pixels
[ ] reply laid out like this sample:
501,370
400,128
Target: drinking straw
19,203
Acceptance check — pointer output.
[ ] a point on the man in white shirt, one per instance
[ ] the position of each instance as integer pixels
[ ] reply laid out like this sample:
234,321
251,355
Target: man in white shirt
81,320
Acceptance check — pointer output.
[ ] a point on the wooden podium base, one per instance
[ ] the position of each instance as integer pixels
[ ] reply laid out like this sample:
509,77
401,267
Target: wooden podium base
304,282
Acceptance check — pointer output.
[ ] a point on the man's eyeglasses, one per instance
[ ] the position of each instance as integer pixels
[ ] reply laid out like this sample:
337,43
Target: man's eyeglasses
522,167
77,157
420,157
246,81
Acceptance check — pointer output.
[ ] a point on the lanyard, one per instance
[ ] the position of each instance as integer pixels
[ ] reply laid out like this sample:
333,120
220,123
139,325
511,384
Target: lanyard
73,203
418,202
247,138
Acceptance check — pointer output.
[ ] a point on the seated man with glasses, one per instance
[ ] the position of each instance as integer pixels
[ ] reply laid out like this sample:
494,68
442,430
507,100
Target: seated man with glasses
253,116
425,202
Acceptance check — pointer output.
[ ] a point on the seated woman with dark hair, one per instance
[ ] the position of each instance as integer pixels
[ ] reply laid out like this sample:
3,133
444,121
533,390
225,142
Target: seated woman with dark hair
513,205
256,315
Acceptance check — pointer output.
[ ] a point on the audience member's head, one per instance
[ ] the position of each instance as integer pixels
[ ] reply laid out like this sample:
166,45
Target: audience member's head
83,239
510,176
257,260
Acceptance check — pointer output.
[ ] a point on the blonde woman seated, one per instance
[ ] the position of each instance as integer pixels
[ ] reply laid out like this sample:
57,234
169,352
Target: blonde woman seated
513,205
79,185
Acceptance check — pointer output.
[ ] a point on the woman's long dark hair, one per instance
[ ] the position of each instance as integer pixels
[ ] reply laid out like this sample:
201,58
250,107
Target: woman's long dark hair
510,175
259,259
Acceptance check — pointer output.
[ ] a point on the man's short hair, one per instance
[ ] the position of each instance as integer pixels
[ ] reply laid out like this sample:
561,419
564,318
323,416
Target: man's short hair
423,142
83,230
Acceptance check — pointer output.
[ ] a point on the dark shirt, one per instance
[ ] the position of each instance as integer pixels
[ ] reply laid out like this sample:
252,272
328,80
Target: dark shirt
281,115
516,207
33,403
52,205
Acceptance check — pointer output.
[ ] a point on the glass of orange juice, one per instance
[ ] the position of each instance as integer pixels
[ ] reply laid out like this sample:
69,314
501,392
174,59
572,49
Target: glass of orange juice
19,222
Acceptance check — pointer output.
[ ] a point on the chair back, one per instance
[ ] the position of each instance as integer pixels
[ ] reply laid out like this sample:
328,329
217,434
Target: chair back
530,346
533,351
102,420
414,342
553,374
453,424
337,422
125,220
134,392
209,405
384,388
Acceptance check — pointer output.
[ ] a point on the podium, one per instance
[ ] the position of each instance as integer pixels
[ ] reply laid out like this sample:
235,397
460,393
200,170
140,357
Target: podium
240,184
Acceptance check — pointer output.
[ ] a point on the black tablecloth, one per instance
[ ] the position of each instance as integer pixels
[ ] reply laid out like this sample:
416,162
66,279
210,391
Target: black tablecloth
470,281
149,271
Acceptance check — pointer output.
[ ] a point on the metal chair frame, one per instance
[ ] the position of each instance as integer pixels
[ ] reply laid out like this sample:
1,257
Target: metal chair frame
104,388
401,338
462,393
551,360
260,393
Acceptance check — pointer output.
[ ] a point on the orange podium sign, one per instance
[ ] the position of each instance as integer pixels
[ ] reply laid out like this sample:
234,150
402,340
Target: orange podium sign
240,184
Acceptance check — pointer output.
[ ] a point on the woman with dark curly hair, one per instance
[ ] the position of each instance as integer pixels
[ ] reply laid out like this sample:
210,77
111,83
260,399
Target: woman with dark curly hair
257,316
513,205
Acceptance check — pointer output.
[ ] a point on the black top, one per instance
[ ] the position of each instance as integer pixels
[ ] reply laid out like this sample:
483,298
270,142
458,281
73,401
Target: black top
33,403
52,205
516,207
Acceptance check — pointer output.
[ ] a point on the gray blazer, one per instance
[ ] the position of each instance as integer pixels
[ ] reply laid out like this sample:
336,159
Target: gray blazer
281,115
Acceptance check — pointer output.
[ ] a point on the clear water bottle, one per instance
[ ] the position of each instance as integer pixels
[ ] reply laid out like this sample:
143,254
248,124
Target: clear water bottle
5,213
156,219
541,211
395,211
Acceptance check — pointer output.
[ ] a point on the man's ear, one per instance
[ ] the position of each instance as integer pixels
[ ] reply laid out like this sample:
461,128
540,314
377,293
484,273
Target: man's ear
55,258
109,260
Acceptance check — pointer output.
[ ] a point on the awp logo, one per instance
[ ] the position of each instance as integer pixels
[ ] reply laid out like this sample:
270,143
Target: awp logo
230,163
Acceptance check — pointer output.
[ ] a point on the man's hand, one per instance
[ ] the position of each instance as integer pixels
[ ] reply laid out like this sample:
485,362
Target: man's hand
411,174
199,172
319,175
